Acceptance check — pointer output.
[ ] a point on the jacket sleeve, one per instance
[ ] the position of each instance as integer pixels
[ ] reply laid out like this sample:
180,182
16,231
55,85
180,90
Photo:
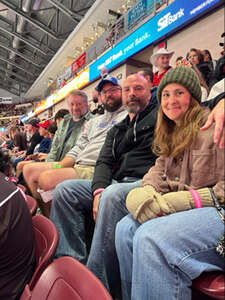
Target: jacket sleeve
155,176
105,163
82,141
213,102
56,141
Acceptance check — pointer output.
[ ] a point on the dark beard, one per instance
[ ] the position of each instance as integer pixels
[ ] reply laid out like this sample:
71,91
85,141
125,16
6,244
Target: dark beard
114,107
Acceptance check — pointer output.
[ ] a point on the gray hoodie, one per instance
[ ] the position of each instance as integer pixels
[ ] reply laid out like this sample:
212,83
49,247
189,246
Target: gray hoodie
93,135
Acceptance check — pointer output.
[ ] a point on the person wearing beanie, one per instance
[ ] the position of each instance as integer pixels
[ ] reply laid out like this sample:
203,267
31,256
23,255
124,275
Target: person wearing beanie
171,235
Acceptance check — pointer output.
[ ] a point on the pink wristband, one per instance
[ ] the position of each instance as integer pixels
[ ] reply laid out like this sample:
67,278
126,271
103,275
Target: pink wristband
98,191
197,198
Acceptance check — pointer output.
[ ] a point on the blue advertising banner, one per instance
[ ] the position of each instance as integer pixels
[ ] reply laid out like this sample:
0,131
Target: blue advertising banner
176,14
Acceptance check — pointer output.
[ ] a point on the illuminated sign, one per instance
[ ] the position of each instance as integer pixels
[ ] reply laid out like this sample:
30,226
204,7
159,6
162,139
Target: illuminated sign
40,107
175,15
30,114
76,83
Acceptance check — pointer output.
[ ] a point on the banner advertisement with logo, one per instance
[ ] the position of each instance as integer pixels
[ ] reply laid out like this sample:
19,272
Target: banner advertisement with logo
174,16
79,63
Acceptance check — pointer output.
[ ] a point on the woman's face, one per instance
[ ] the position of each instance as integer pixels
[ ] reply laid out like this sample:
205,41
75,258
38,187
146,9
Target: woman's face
175,101
193,57
206,56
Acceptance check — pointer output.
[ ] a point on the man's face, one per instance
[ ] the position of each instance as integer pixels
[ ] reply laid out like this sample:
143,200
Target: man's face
42,131
163,61
111,97
135,93
30,129
77,106
147,77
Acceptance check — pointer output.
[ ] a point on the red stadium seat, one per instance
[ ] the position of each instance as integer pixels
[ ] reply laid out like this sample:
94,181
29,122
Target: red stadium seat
47,239
32,204
211,284
66,278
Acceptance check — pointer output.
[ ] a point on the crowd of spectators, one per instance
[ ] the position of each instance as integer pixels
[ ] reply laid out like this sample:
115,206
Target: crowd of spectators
147,168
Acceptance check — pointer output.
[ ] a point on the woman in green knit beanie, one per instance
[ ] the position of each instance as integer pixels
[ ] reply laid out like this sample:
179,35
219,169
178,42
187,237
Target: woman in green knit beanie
158,255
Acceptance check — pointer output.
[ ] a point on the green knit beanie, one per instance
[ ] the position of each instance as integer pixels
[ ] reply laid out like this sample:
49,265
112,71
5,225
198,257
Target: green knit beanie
184,76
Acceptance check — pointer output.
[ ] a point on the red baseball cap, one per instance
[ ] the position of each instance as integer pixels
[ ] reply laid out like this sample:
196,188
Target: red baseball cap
45,124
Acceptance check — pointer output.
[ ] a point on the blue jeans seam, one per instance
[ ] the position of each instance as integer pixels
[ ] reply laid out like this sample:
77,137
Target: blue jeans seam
196,252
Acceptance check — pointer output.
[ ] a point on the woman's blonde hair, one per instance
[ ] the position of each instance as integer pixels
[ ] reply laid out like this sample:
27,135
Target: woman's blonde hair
172,140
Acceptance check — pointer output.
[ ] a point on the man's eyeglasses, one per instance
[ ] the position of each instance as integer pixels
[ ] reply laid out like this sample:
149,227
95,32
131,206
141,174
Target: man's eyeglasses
111,90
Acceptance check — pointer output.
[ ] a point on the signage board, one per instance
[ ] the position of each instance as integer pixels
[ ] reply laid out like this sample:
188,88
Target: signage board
79,63
174,16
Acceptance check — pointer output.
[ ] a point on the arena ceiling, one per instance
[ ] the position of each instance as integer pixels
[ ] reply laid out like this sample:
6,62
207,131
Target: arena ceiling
31,32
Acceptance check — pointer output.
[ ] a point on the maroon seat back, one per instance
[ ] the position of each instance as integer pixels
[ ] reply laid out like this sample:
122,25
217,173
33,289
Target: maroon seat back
32,204
47,239
211,284
66,278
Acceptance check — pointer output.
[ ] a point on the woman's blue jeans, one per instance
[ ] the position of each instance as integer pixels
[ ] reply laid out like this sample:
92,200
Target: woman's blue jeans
160,258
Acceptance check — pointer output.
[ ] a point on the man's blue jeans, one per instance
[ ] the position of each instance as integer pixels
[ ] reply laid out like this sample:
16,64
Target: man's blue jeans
72,198
160,258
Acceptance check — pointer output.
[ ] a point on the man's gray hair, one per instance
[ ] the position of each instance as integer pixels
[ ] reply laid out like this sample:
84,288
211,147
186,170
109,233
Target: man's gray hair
78,93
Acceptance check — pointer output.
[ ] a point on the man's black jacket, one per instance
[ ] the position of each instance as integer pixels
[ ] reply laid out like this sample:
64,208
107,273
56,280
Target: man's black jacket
127,148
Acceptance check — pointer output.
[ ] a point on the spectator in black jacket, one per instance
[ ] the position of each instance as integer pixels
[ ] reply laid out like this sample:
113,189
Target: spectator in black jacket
17,240
124,159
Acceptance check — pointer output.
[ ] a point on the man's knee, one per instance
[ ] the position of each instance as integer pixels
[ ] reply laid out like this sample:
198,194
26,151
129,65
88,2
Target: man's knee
45,180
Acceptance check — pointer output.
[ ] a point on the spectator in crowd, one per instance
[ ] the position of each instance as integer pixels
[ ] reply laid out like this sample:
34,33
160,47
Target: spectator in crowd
161,60
179,59
65,139
43,147
195,56
6,166
18,138
222,44
33,131
60,115
149,76
161,257
17,239
80,161
104,72
208,58
124,158
36,138
96,99
51,130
